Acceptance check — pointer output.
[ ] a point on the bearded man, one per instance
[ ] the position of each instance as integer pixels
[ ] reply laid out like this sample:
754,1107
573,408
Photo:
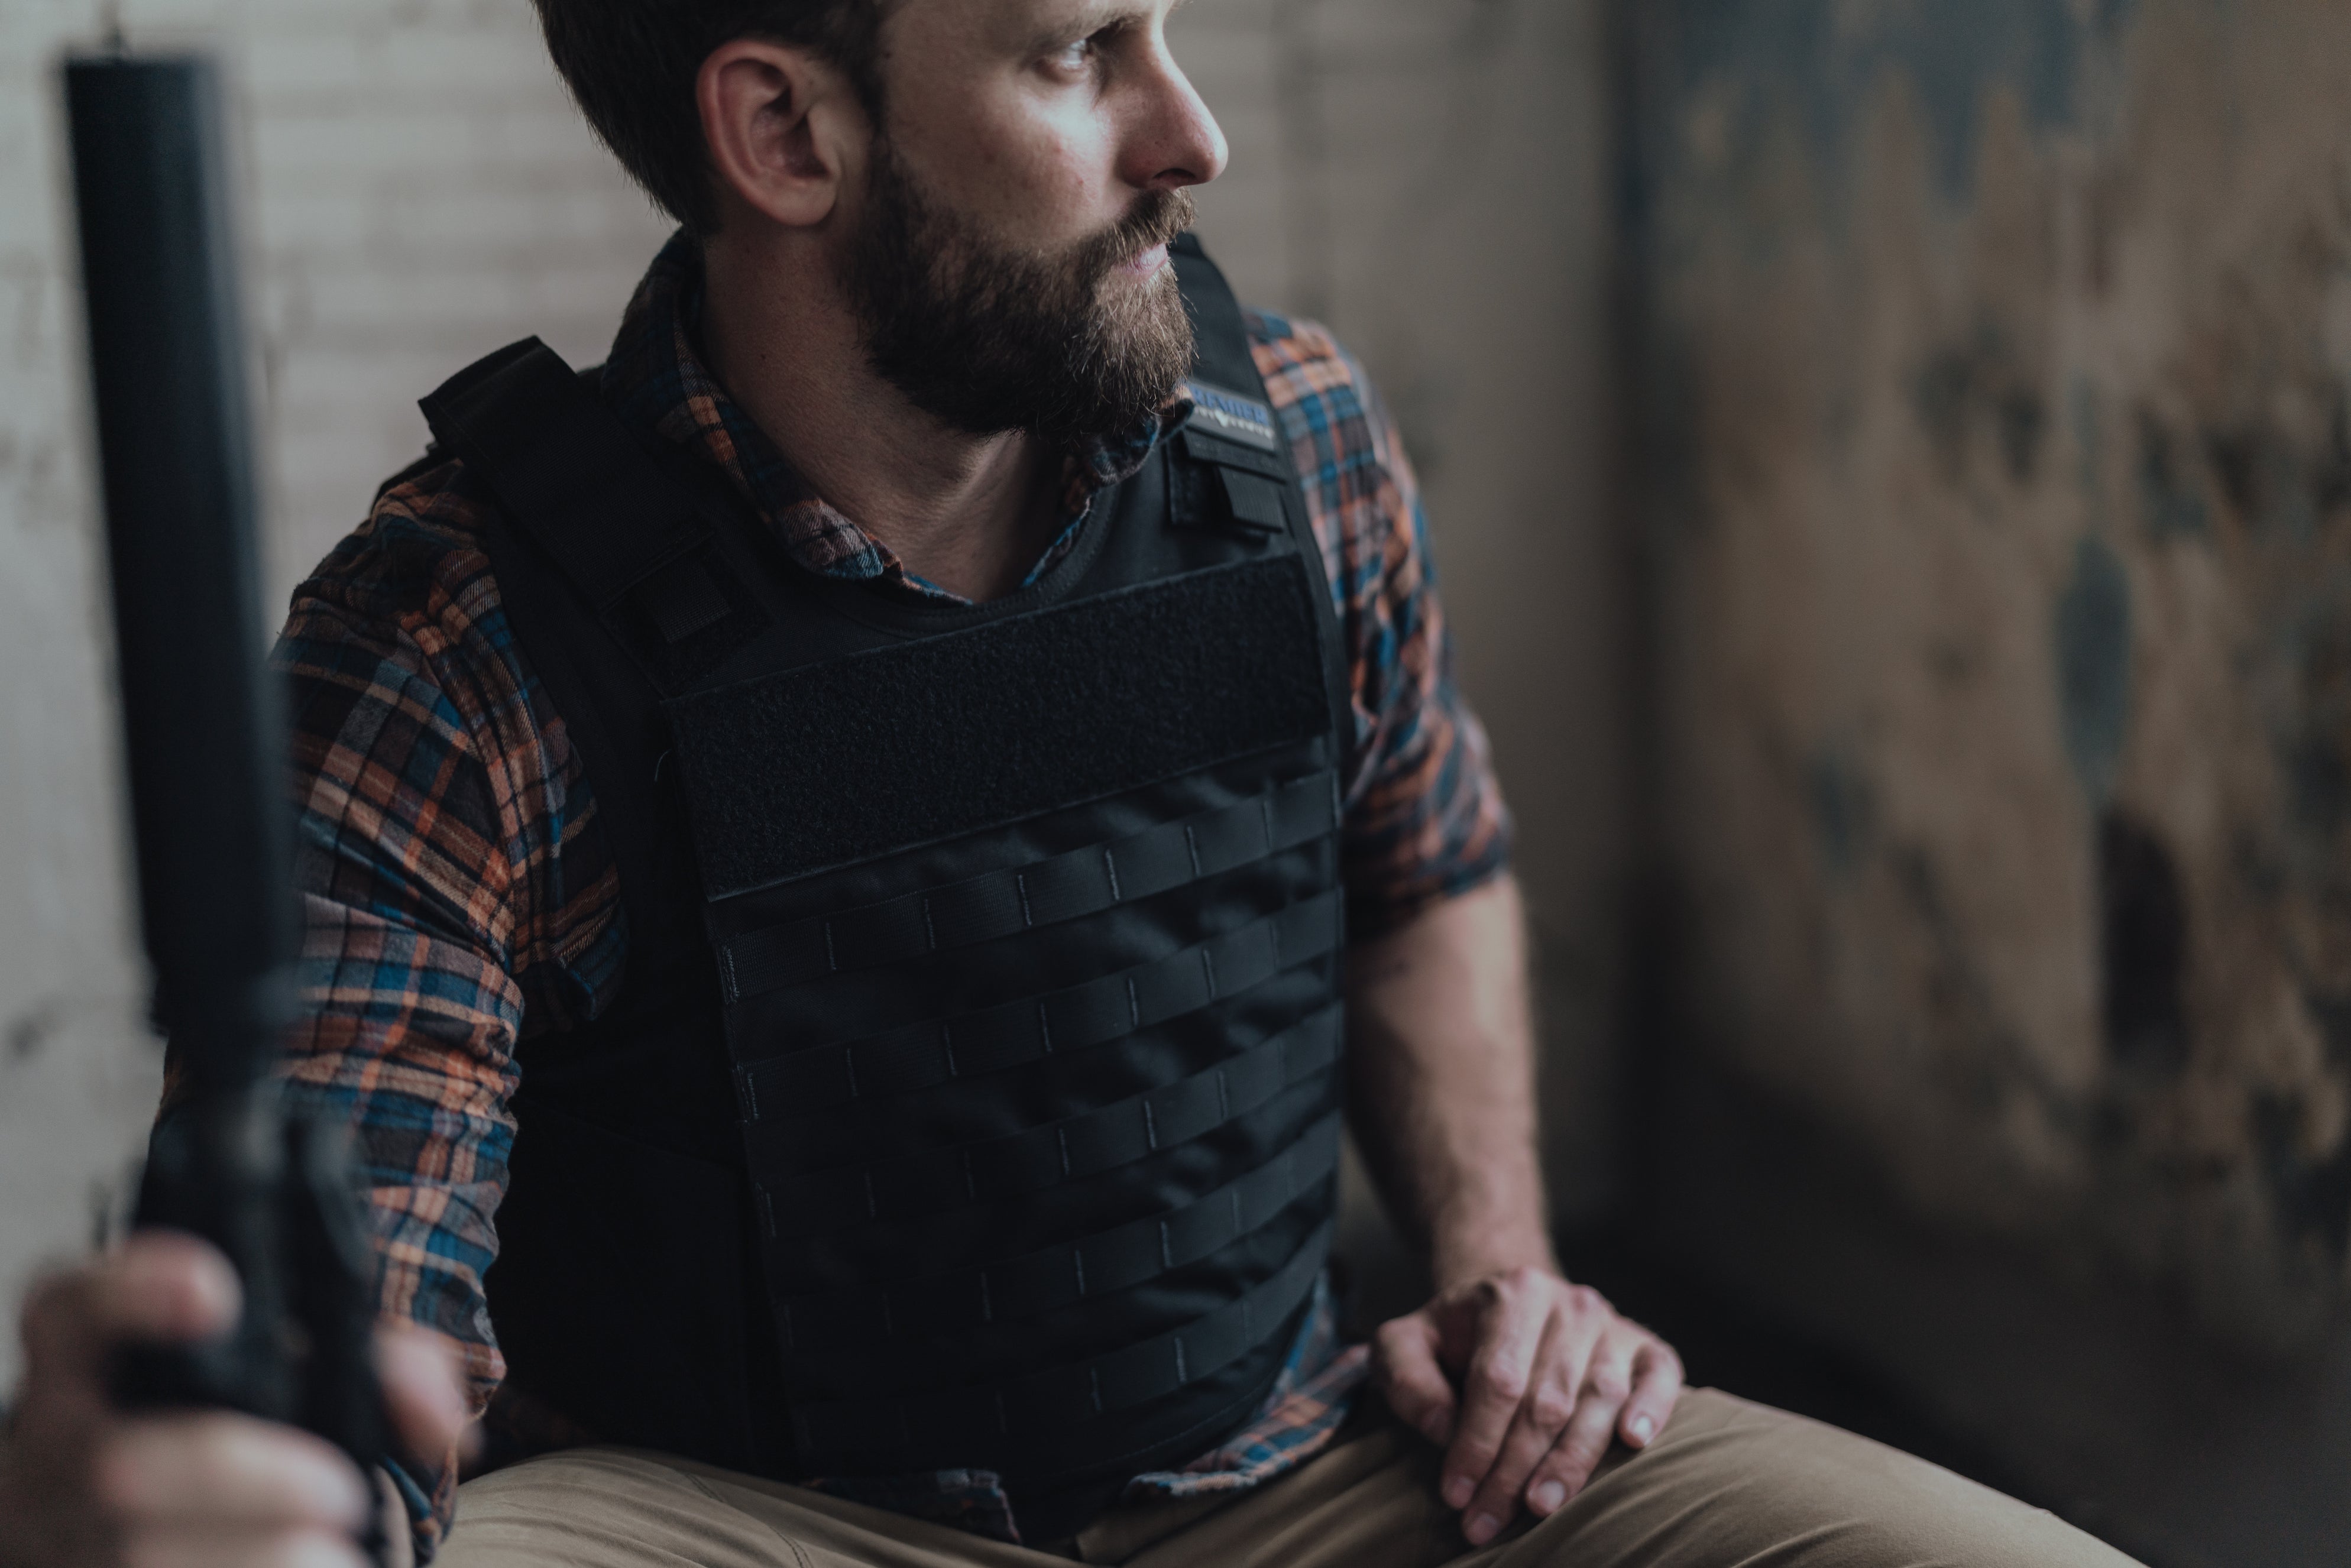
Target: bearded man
855,858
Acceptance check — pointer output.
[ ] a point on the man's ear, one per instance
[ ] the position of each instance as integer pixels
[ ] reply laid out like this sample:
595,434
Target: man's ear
781,126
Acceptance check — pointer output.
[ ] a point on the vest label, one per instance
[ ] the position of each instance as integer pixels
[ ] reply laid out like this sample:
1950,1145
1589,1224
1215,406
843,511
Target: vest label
1233,416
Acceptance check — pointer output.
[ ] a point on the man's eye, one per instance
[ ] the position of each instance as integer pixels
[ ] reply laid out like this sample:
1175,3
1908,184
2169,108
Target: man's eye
1075,58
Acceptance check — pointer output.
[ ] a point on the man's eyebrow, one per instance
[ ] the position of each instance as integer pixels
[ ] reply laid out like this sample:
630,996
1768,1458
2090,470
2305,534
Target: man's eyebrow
1084,21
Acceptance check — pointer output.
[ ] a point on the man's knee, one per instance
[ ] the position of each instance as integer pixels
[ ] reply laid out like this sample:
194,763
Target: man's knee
1729,1480
595,1508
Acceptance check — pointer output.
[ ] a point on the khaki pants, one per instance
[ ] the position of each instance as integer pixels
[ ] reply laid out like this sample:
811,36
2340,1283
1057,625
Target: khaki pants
1726,1484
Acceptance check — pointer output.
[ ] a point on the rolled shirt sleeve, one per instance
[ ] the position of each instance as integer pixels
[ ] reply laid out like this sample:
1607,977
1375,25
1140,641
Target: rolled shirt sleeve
1425,819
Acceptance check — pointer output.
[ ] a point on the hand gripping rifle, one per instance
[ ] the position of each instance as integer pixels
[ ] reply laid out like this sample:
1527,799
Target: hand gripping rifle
205,744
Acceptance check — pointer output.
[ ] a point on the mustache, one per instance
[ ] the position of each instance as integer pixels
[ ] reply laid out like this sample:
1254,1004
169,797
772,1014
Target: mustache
1156,218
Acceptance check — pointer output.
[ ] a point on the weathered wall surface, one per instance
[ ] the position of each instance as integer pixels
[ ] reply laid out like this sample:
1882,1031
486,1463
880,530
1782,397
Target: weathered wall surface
1425,174
2003,552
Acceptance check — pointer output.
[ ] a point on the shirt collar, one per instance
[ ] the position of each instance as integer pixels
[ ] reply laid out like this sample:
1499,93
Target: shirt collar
656,377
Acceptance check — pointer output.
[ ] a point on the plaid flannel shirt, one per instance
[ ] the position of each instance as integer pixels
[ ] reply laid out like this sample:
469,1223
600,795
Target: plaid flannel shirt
460,896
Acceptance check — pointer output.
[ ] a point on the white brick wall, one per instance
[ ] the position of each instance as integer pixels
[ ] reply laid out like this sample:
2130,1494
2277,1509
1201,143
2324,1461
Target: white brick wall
1422,172
417,191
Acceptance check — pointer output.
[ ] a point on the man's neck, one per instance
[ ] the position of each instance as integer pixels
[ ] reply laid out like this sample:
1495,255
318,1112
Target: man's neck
970,513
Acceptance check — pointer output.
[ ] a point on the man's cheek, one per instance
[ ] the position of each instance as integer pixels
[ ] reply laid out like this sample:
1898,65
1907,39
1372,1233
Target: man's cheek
1062,189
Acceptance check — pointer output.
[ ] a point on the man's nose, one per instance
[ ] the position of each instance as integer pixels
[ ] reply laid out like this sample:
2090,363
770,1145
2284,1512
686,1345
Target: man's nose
1176,142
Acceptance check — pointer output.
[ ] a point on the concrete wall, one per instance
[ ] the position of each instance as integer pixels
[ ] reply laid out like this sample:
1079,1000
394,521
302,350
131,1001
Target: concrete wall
1426,175
2001,526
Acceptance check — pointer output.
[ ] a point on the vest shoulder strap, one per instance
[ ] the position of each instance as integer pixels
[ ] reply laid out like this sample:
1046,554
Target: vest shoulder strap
588,519
1220,331
1243,443
558,459
629,537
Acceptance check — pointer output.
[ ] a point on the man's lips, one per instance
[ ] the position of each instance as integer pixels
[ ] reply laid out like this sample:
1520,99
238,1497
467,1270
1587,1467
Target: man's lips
1142,264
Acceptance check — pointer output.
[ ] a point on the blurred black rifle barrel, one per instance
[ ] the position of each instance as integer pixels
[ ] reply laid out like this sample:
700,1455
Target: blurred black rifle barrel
206,743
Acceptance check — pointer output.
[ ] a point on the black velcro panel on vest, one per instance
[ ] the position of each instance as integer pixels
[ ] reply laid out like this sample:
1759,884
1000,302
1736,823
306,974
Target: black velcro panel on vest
814,768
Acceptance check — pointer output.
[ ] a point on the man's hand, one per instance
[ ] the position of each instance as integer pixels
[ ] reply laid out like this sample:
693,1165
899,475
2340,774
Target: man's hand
1549,1375
1442,1096
84,1485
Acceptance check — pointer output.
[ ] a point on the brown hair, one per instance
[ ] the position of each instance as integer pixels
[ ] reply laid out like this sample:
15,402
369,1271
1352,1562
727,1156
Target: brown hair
631,64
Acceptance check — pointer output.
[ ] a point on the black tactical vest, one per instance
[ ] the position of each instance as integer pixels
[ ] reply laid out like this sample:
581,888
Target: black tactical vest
971,1099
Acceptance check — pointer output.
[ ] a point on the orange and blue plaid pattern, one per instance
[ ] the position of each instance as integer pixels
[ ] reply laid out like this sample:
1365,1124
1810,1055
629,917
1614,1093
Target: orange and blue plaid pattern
460,897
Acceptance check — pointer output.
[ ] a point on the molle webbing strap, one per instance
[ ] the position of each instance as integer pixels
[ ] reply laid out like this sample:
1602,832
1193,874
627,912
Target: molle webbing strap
1046,892
919,1056
975,1421
1083,1145
573,477
881,751
1115,1260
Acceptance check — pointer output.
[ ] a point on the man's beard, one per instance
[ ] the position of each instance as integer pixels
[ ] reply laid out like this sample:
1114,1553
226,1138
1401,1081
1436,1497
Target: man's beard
991,340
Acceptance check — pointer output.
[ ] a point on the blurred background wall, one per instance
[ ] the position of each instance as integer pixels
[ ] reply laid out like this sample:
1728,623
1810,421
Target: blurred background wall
1889,465
1426,176
1996,506
2006,638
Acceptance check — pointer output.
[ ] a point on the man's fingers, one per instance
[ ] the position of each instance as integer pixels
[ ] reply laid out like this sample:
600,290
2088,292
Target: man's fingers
1542,1415
1509,1331
1606,1385
1552,1375
158,1285
423,1389
1414,1384
1656,1386
240,1548
219,1470
1588,1318
1570,1464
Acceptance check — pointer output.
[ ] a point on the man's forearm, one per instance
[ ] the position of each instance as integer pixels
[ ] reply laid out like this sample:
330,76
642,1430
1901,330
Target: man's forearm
1441,1084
